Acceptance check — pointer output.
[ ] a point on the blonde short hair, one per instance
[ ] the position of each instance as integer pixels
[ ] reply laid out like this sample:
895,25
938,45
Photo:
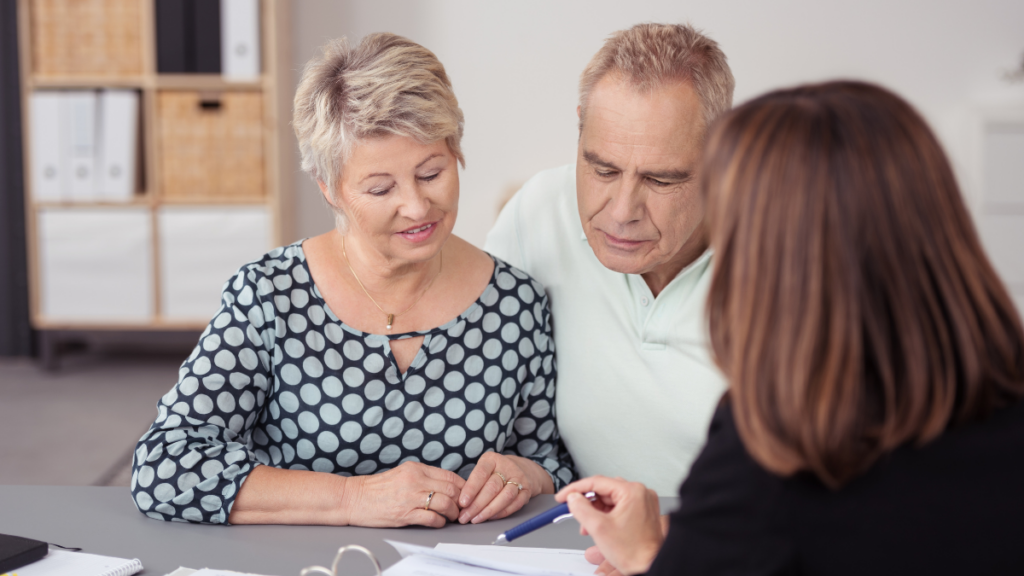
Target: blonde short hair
650,55
386,85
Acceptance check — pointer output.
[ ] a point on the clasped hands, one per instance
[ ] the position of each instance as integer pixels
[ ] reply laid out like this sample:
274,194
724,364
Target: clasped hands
498,486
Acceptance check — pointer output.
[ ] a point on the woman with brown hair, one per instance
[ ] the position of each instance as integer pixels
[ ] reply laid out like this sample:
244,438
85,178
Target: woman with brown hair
874,422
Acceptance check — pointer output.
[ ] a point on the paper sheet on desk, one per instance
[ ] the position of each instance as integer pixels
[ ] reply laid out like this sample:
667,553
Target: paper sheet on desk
182,571
490,560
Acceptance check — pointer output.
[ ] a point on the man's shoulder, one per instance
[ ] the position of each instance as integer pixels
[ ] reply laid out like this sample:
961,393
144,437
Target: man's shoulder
540,219
548,189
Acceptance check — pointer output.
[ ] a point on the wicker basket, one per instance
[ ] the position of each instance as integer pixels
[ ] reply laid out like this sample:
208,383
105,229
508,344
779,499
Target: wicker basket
211,145
86,37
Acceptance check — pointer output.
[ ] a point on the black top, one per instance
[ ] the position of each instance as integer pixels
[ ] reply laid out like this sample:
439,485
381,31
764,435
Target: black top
954,506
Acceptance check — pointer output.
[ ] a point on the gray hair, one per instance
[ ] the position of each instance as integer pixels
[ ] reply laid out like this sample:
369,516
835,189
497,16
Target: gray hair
385,85
649,55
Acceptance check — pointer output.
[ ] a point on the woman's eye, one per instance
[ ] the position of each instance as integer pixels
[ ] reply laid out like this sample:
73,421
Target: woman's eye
380,191
430,177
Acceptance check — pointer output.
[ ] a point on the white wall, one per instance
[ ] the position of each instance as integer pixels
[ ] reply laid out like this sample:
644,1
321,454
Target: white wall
515,66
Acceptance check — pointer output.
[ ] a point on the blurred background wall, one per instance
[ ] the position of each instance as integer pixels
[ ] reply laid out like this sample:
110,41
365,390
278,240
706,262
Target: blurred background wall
515,67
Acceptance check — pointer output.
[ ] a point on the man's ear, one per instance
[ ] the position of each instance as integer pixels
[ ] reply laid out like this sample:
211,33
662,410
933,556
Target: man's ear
578,110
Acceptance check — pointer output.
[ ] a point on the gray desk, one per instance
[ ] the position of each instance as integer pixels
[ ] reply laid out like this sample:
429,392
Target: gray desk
104,521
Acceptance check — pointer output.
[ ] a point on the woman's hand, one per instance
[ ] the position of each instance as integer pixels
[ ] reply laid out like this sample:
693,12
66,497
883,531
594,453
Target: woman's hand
398,497
492,490
594,556
625,521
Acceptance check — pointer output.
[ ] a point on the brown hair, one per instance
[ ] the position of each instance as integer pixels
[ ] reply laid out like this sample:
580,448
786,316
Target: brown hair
650,55
852,307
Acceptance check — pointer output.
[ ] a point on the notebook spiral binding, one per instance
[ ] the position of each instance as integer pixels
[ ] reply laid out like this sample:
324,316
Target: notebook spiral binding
334,567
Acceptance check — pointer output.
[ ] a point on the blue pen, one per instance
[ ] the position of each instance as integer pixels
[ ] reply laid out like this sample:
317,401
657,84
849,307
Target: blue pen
553,516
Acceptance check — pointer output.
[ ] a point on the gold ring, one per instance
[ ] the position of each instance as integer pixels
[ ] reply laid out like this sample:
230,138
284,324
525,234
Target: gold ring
502,476
516,484
429,496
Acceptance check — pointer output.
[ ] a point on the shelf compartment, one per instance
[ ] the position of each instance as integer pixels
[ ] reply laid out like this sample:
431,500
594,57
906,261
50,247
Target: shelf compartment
87,38
211,145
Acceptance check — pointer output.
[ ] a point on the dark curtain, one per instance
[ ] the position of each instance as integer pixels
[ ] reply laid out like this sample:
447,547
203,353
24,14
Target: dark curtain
15,331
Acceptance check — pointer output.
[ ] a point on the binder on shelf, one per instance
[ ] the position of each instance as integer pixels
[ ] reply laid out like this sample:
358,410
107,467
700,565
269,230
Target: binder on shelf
207,36
49,162
81,142
170,36
240,39
188,34
118,136
84,145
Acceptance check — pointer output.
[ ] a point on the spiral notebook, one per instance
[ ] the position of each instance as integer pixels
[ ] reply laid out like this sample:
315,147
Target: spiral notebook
63,563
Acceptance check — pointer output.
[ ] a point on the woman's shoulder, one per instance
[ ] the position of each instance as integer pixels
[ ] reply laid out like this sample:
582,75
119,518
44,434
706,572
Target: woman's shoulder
508,277
485,269
277,270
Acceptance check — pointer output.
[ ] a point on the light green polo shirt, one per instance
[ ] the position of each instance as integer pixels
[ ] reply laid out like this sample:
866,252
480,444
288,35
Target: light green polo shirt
636,384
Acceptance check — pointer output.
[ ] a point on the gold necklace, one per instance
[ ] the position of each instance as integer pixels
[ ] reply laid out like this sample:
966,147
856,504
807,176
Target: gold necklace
391,317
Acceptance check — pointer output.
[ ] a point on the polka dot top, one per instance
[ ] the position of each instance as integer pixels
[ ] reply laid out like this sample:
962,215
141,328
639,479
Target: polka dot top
277,379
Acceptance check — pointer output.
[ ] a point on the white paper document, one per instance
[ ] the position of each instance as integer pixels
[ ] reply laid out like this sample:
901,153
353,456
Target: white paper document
63,563
468,559
182,571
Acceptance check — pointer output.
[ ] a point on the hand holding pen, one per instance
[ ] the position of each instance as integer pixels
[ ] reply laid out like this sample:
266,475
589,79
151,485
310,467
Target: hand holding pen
624,520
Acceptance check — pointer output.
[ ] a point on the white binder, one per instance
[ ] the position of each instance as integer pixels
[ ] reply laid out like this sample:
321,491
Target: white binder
81,142
240,39
118,137
49,163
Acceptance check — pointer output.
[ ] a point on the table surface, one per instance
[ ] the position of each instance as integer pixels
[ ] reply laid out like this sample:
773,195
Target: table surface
105,521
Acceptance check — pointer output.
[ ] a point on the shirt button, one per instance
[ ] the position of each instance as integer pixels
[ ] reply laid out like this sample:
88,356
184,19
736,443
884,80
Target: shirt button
645,301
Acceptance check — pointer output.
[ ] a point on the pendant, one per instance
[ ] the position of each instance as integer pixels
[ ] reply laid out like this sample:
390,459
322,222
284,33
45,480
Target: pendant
391,320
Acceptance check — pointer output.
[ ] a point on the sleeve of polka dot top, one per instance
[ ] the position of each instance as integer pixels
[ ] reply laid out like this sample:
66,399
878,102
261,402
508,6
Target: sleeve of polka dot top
193,460
534,432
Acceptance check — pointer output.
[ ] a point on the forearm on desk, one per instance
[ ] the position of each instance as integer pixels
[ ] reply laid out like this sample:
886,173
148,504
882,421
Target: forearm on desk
276,496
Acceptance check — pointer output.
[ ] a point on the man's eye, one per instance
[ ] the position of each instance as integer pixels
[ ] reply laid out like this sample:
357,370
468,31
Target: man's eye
659,183
605,173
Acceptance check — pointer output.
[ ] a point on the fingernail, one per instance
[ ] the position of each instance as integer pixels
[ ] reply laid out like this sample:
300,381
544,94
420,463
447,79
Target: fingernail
464,502
464,518
477,519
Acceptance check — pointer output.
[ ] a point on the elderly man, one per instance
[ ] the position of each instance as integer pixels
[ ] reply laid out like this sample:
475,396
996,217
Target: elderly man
619,242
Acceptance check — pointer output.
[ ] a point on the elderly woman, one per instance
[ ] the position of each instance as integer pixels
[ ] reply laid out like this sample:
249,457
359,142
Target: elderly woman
385,373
